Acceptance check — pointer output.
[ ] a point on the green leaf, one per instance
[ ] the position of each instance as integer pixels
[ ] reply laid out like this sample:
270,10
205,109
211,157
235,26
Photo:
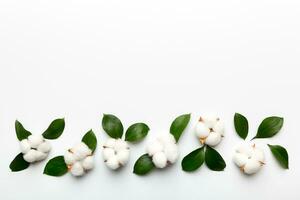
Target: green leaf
178,125
269,127
90,140
55,129
281,155
112,126
56,167
214,160
19,164
136,132
21,132
143,165
241,125
193,160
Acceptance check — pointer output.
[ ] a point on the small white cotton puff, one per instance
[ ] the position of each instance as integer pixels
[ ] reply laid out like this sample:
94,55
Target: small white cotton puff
249,159
45,147
171,152
123,156
35,140
77,169
210,130
213,139
24,146
30,156
116,153
80,151
160,160
88,163
201,130
69,158
113,163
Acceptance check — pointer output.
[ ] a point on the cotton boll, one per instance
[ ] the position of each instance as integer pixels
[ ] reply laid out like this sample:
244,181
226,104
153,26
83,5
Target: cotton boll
77,169
113,163
80,151
35,140
40,156
24,146
45,147
210,120
30,156
171,152
166,138
160,160
69,158
219,128
201,130
107,153
110,143
88,163
213,139
123,156
258,154
252,167
120,145
154,147
240,159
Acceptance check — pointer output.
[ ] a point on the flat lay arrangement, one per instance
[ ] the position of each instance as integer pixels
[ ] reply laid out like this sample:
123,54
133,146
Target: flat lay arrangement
161,150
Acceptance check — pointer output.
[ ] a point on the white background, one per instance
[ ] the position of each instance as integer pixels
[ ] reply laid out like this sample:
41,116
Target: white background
149,61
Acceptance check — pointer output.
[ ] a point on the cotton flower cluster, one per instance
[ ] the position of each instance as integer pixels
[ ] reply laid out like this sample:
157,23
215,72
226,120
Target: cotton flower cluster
79,159
35,148
249,159
210,130
115,153
163,150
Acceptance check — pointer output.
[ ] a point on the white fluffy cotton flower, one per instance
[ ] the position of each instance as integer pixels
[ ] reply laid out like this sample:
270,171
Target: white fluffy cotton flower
209,130
35,148
115,153
163,150
249,159
79,159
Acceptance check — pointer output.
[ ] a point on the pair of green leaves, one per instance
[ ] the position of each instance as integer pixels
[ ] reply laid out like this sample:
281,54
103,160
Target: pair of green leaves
268,128
57,166
113,126
144,164
54,130
196,158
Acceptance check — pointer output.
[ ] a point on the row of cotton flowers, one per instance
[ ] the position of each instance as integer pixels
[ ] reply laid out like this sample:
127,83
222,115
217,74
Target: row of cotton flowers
162,148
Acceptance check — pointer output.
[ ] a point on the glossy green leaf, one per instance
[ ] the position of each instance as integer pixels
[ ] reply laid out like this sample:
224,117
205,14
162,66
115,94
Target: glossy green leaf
56,167
281,155
178,125
241,125
112,126
136,132
90,140
143,165
193,160
269,127
214,160
55,129
21,132
19,164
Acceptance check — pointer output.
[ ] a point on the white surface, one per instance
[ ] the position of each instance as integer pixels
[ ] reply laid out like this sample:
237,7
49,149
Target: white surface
149,61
